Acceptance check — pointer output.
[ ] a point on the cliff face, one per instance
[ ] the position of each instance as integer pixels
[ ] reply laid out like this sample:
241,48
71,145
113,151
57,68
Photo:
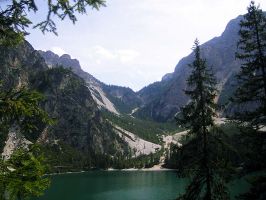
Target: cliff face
163,99
115,99
79,124
19,64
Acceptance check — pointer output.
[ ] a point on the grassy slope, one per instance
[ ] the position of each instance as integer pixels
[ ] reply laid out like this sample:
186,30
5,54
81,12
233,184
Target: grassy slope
148,130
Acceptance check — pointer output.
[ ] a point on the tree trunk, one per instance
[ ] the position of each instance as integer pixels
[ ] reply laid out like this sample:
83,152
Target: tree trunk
206,165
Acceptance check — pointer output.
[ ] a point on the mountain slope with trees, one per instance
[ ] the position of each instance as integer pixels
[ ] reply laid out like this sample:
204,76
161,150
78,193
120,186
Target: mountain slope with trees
116,99
78,122
163,99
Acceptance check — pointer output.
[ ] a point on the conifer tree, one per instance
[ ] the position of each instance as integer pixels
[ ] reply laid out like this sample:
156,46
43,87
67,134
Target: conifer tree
251,94
197,116
22,175
14,19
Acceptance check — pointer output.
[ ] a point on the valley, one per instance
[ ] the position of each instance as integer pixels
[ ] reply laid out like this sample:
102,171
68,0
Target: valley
197,132
139,123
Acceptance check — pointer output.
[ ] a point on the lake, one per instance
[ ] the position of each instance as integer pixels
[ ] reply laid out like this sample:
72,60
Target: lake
121,185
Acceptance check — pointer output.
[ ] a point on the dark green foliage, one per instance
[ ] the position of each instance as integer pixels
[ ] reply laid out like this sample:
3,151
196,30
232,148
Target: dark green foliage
21,108
142,161
188,160
251,94
206,163
14,18
200,110
258,189
172,157
240,150
252,77
62,157
22,176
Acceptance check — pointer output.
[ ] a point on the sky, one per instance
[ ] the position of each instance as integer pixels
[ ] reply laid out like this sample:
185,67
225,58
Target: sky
134,43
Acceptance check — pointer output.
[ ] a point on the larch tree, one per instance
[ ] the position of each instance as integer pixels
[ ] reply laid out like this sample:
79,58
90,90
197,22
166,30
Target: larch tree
197,116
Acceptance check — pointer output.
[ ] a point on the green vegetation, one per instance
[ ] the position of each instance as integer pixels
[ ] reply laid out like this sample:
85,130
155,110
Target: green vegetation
211,155
203,154
252,76
14,18
19,109
148,130
62,157
22,176
230,136
140,162
236,148
251,94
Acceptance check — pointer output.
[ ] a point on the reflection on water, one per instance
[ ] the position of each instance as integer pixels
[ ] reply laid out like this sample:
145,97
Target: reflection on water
121,185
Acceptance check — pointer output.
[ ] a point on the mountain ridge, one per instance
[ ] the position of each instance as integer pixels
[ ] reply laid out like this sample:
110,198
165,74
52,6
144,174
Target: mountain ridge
165,98
80,130
161,100
116,99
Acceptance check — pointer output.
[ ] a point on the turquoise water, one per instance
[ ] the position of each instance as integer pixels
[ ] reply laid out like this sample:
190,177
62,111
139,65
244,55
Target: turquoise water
120,185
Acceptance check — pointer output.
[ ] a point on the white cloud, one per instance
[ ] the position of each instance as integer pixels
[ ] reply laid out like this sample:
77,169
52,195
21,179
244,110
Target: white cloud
58,50
99,55
127,55
103,53
135,42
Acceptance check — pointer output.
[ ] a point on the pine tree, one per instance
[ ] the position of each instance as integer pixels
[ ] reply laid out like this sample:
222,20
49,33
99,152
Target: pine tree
251,94
14,19
197,116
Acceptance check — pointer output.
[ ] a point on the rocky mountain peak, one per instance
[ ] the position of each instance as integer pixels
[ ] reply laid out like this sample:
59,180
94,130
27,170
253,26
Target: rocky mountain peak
164,99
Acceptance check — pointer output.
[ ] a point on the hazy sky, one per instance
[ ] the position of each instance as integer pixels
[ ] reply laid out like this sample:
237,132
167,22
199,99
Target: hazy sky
135,42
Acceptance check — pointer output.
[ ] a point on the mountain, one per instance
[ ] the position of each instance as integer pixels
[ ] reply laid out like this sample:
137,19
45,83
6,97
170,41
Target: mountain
115,99
117,104
80,132
162,100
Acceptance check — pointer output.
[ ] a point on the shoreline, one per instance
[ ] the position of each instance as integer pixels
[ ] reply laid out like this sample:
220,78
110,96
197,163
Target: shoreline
113,169
142,169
